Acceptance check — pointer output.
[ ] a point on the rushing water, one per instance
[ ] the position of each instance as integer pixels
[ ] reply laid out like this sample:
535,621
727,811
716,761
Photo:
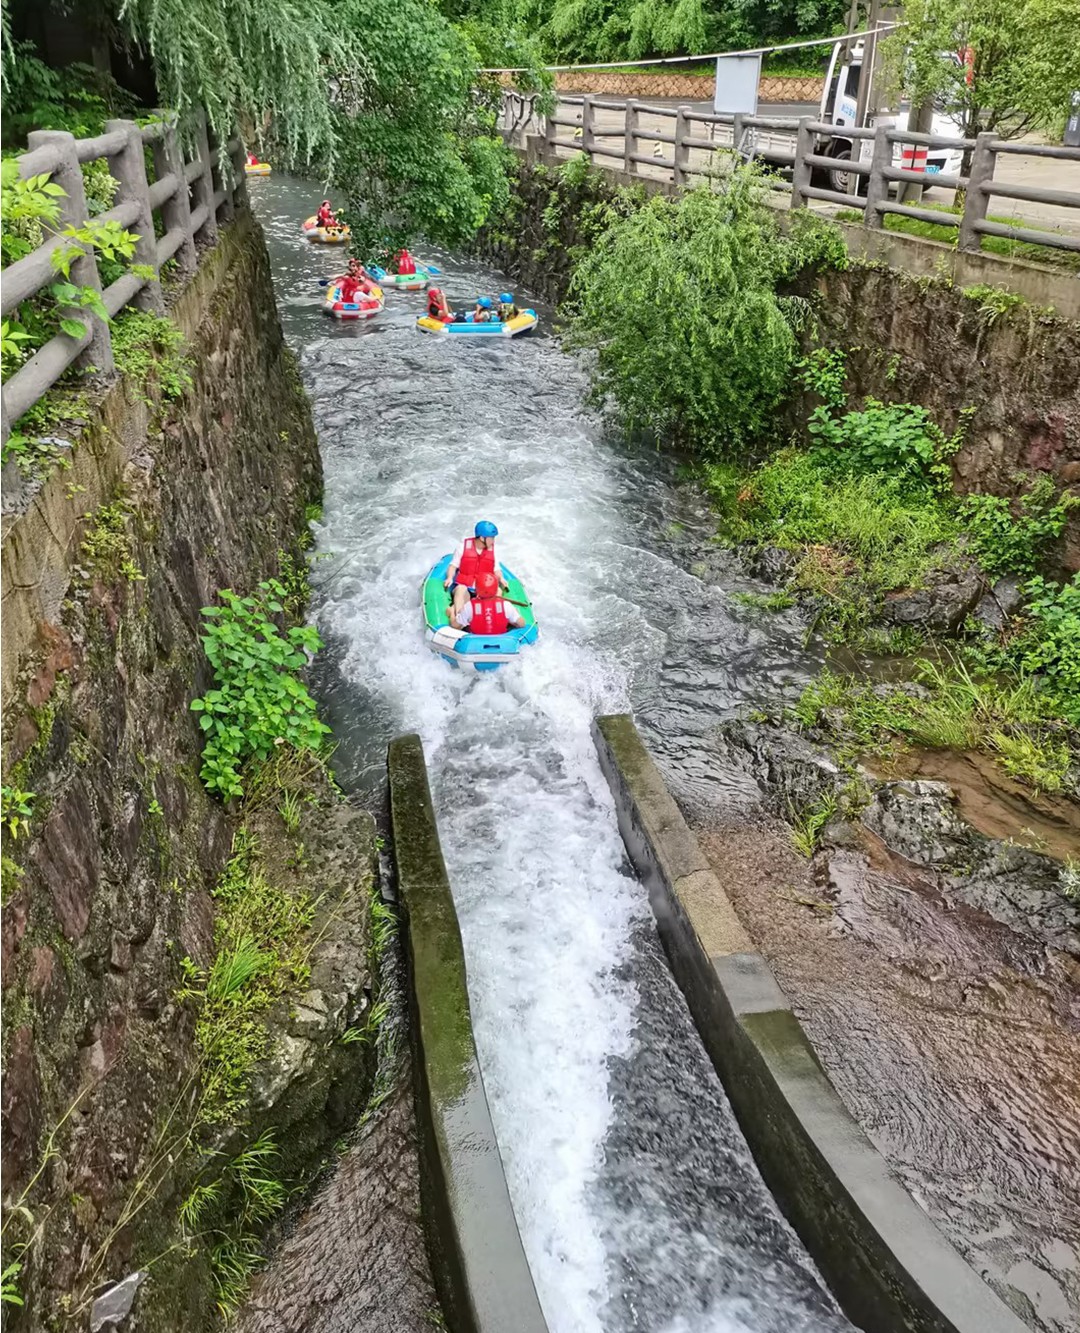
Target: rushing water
638,1202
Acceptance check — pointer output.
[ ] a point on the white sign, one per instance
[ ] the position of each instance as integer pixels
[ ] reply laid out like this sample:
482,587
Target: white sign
737,79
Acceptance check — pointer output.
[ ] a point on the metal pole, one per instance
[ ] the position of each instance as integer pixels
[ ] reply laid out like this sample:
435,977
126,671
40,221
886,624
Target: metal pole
800,175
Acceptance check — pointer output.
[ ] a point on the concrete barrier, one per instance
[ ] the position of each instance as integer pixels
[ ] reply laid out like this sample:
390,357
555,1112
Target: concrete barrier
480,1268
886,1262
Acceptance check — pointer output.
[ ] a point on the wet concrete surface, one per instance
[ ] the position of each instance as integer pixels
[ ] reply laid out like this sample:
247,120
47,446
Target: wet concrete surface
953,1040
355,1261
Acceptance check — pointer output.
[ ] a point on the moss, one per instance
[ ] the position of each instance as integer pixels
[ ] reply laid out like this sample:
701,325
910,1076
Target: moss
108,549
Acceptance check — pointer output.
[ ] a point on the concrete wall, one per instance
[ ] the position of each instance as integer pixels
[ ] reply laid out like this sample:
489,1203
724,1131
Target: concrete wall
480,1268
660,85
887,1264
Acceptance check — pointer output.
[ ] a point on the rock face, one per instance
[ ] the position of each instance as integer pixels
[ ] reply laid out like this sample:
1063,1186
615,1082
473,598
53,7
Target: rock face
951,594
124,842
916,820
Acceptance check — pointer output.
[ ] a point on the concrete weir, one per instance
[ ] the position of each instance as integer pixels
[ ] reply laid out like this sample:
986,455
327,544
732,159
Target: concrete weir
886,1262
480,1268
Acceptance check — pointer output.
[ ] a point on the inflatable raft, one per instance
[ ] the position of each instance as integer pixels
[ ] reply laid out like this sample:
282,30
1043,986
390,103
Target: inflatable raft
404,282
473,652
336,235
256,168
523,322
370,303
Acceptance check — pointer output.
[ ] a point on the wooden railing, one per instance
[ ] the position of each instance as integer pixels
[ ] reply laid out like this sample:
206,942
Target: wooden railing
689,144
191,196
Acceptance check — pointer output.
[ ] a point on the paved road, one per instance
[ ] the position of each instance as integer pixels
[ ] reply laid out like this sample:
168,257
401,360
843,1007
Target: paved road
1044,173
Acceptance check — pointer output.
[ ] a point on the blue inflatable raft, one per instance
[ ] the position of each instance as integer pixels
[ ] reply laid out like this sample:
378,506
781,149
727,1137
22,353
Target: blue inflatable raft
473,652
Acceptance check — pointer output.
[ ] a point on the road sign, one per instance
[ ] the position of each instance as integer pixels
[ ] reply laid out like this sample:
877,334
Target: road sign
737,79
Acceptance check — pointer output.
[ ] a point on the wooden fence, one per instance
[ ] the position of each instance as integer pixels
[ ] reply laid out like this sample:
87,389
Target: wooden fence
853,168
192,198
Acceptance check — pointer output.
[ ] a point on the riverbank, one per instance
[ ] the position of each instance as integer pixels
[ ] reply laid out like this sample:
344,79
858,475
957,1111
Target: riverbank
952,1037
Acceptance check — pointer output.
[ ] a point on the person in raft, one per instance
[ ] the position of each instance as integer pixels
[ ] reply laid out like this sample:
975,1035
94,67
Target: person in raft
484,314
252,160
507,308
326,217
406,264
473,557
438,307
352,287
487,613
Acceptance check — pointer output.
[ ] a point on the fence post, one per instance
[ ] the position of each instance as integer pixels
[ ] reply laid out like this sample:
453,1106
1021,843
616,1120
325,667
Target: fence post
682,148
219,174
204,185
629,130
737,132
588,120
175,212
877,190
84,271
976,200
550,128
801,172
129,168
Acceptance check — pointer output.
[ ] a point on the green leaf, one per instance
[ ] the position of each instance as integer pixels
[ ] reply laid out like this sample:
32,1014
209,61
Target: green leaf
74,328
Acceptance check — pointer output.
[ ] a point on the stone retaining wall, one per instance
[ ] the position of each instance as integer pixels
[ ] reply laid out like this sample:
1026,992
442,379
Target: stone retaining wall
681,87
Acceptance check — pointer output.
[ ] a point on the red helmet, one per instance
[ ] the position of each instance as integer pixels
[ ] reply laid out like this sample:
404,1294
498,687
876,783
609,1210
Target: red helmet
487,585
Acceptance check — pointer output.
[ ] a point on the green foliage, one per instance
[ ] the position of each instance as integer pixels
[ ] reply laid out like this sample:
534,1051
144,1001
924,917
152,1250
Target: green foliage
898,439
858,535
232,1212
417,151
9,1284
773,601
1045,643
824,372
108,549
260,951
955,708
146,345
18,810
78,97
993,302
807,825
259,701
1014,537
1024,68
678,300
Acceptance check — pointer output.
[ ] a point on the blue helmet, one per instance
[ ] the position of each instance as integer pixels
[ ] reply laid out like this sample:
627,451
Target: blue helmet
484,303
507,298
484,528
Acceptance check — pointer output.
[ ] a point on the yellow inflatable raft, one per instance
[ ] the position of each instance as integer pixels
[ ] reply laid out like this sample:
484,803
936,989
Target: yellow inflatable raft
337,235
256,168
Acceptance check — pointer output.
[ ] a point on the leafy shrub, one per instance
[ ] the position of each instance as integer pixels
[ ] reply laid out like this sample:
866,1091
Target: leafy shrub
679,302
1049,644
259,701
895,438
1008,542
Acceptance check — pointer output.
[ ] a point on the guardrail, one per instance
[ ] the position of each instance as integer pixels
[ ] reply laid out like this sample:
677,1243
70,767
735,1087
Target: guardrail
192,198
803,153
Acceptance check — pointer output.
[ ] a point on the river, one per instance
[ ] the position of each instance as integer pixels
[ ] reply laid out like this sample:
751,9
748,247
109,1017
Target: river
639,1205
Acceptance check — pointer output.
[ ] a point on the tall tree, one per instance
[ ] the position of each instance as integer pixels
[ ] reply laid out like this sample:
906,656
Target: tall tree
1004,65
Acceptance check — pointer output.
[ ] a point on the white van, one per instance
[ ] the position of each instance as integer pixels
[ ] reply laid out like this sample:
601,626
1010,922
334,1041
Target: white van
839,106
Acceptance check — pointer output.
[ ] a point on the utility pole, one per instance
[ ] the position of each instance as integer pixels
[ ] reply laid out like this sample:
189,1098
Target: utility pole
868,96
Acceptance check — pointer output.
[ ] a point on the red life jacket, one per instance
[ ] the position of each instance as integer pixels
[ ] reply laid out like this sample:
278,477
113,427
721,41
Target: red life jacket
405,265
325,218
350,290
474,562
488,616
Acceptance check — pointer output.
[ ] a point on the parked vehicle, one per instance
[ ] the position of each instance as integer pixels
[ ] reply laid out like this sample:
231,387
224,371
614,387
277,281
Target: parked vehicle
839,106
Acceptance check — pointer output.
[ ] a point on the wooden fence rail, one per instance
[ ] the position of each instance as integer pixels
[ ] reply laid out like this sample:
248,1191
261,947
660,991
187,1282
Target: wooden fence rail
803,155
192,198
